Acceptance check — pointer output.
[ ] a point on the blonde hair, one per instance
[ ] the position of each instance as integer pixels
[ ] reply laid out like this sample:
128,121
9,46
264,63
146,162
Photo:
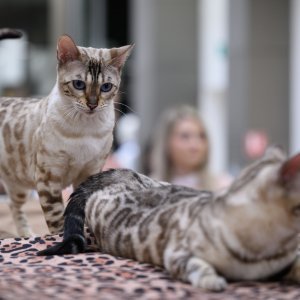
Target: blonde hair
160,162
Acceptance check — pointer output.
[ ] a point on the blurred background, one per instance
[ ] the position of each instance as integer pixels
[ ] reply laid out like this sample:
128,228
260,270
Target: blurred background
236,61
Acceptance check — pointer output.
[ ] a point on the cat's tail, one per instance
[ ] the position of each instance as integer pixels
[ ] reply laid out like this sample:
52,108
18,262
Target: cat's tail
8,33
74,216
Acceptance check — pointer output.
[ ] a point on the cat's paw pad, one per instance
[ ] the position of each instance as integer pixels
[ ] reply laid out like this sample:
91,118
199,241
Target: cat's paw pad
213,283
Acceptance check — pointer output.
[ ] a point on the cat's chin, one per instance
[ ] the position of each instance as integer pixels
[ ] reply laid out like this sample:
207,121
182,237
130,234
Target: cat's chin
91,112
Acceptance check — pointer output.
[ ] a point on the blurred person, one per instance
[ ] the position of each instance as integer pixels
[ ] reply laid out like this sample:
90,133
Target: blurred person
180,151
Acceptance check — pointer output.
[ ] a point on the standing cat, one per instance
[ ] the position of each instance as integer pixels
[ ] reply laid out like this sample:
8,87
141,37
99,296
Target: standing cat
47,144
248,232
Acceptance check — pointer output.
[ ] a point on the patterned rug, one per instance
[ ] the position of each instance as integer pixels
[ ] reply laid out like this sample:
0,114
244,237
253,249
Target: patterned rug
94,275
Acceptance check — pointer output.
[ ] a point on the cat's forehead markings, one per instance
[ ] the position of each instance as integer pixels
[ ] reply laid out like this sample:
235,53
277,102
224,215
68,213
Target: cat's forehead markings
94,69
89,78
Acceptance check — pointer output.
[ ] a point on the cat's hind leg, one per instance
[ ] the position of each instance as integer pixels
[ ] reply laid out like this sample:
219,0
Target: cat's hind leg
183,265
17,199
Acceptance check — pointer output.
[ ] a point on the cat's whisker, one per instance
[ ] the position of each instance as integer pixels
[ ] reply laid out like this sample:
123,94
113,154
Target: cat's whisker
126,106
70,114
117,121
103,107
116,109
66,115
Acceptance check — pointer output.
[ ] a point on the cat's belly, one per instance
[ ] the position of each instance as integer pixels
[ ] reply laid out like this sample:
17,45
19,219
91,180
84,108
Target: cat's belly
236,270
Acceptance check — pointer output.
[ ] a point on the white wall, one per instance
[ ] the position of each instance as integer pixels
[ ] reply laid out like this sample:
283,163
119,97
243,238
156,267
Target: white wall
213,79
295,77
258,74
165,62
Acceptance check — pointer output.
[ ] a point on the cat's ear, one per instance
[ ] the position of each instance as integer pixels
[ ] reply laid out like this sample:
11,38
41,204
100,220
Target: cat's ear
290,171
119,56
66,50
275,151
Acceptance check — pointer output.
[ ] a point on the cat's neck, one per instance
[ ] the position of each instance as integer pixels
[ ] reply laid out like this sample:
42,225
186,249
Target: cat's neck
268,230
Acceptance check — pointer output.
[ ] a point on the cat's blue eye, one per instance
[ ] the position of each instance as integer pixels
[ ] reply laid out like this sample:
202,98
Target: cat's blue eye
106,87
79,84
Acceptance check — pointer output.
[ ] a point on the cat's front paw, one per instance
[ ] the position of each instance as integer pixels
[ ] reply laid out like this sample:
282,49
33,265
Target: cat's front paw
203,275
213,283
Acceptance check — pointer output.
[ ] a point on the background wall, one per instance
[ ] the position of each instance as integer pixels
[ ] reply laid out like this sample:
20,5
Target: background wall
166,55
236,60
258,95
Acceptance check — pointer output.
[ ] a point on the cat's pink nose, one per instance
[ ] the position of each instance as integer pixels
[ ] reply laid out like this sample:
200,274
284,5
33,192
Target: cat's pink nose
92,106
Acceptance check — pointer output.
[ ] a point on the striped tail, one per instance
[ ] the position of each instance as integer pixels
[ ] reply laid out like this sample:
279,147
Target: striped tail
74,216
74,240
7,33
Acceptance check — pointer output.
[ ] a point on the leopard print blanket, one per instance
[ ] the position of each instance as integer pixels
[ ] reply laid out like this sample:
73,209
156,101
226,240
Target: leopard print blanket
93,275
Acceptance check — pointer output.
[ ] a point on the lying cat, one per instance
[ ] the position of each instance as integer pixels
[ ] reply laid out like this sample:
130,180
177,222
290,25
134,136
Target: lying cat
47,144
248,232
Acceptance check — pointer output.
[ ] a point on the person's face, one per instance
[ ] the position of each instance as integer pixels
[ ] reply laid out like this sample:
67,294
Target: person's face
187,145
